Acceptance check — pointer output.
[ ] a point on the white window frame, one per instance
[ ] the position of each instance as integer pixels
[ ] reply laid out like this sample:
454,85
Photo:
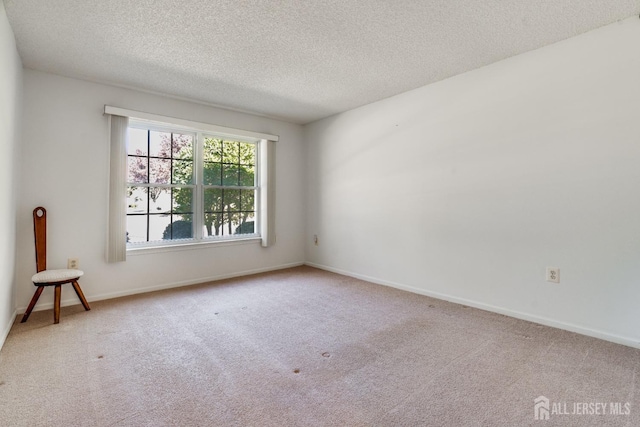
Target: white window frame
264,226
199,187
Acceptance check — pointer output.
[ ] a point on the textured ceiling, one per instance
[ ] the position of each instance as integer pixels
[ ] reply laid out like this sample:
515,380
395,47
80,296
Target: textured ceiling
292,59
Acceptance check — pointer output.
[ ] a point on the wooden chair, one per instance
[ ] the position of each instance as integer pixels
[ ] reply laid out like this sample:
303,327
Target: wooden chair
46,277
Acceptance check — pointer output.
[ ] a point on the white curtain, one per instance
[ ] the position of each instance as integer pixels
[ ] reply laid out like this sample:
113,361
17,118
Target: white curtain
117,234
267,192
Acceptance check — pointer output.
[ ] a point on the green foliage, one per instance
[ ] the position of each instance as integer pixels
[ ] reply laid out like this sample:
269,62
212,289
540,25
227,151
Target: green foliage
226,163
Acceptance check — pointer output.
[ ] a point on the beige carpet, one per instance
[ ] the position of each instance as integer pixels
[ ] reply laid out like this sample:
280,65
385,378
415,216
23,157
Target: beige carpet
303,347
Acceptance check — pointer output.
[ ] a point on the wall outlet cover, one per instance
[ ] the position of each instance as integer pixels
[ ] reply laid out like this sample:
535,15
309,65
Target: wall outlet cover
553,274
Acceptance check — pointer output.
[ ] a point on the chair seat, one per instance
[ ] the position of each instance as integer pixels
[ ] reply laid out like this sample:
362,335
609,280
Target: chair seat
52,276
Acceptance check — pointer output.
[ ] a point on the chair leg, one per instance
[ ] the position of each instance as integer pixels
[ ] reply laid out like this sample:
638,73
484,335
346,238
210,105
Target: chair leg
32,304
83,300
56,304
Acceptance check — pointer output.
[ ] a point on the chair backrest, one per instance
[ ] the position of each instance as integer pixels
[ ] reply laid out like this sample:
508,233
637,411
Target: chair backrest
40,235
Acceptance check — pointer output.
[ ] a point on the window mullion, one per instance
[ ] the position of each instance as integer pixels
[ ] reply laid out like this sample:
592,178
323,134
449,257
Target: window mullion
148,179
171,194
198,197
256,191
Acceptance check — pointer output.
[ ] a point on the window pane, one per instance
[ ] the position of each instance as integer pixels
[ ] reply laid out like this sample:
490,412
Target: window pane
137,170
231,200
182,200
182,172
136,228
157,225
212,150
213,223
228,224
160,171
137,143
136,200
247,224
247,153
160,200
180,228
230,153
224,228
247,175
182,146
212,173
235,220
230,175
213,200
247,199
160,144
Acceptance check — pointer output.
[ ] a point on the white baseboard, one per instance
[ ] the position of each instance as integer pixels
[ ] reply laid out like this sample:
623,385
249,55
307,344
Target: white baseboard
7,328
74,300
630,342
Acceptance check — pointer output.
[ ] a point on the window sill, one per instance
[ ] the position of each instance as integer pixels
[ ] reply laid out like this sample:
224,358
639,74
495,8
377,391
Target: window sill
145,250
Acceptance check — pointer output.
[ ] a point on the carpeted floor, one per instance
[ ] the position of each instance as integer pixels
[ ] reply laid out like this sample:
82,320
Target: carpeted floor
304,347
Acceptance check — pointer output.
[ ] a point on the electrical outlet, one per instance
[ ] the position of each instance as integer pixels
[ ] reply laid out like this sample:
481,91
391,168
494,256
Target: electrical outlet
73,263
315,239
553,274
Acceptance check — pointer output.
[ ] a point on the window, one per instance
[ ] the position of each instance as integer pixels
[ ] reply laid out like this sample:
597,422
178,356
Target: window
186,185
229,185
183,182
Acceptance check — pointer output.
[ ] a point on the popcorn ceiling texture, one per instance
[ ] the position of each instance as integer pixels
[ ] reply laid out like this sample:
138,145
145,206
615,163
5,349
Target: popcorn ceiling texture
295,60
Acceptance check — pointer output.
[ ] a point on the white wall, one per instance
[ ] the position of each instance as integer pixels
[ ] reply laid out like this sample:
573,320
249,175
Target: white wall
467,189
10,111
65,169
